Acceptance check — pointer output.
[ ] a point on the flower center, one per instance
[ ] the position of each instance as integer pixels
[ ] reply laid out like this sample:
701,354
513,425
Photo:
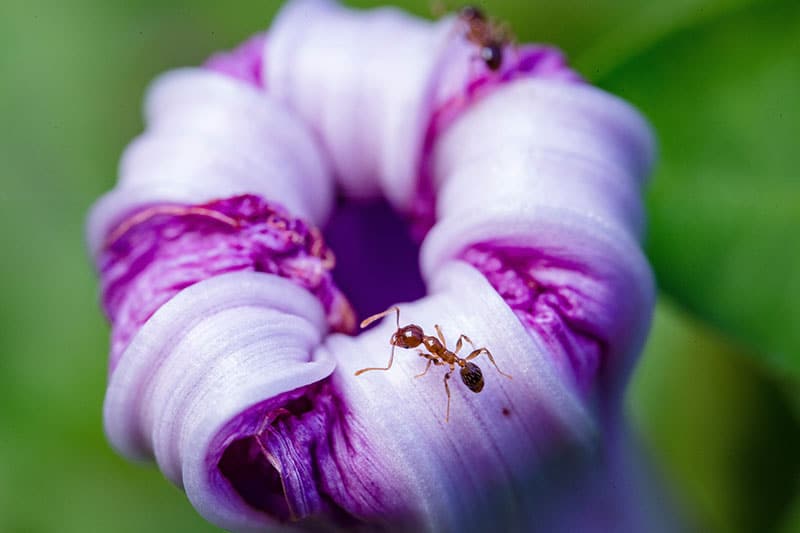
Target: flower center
376,259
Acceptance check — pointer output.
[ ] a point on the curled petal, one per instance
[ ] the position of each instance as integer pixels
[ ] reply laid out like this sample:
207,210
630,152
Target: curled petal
215,349
210,137
495,448
244,63
378,86
159,251
552,197
390,436
578,122
367,98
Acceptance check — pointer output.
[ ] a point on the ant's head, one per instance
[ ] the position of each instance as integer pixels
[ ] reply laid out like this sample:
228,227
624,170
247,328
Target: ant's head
409,336
472,377
471,14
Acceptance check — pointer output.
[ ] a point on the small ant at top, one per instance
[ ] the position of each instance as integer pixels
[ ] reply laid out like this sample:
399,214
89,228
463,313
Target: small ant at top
487,34
412,336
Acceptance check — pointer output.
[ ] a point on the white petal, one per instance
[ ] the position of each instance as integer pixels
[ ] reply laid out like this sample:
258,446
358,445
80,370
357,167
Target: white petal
367,95
211,352
459,472
212,137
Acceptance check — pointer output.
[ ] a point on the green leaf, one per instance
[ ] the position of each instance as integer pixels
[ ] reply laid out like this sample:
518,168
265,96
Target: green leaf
722,434
725,203
596,34
792,522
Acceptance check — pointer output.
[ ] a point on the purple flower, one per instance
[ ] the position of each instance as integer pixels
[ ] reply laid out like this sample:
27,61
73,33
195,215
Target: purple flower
525,185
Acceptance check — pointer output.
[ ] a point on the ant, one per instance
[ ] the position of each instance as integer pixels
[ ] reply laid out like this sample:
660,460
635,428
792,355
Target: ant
412,335
488,35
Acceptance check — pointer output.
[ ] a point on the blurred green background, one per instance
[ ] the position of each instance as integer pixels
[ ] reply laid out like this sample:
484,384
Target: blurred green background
715,399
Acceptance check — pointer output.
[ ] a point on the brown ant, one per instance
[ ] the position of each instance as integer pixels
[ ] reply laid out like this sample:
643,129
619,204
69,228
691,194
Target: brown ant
411,336
488,35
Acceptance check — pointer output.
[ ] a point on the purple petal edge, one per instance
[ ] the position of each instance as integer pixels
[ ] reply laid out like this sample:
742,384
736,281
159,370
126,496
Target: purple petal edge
244,63
300,456
454,98
149,259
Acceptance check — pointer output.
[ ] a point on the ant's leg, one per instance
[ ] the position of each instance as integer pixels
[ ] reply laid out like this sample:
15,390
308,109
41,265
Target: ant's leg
440,334
447,389
458,343
388,366
427,367
476,353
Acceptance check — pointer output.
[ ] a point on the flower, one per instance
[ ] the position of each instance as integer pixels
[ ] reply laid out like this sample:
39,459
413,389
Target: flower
525,185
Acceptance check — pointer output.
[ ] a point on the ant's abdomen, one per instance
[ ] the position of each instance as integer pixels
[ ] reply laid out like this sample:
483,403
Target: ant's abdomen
472,377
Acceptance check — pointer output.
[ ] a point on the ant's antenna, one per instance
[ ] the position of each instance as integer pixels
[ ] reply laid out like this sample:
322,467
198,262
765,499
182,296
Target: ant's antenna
367,321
